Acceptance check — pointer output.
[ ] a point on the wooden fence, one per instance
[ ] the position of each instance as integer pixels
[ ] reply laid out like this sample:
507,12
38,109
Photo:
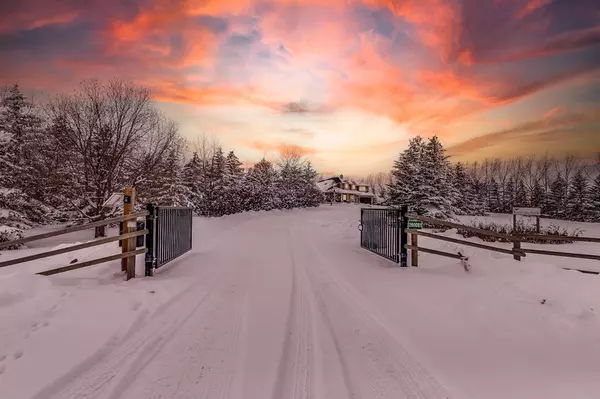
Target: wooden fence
517,240
128,253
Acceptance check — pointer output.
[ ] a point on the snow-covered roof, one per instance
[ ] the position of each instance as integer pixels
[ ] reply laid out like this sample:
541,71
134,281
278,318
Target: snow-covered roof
359,193
343,180
325,185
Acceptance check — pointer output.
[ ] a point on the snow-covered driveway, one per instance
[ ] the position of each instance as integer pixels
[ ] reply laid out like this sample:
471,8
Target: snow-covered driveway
285,305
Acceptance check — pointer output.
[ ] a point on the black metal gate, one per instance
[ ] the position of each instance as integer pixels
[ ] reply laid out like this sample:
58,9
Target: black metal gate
380,233
169,235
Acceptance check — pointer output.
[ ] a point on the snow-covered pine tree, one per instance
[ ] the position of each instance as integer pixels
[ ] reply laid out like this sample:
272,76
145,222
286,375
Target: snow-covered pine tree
579,203
261,181
290,183
167,187
466,198
214,193
234,184
22,140
556,198
538,198
436,192
406,176
508,196
521,195
595,199
312,195
192,177
494,201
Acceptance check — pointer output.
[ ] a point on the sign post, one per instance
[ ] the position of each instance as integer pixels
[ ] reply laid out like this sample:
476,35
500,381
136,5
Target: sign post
128,264
528,212
414,241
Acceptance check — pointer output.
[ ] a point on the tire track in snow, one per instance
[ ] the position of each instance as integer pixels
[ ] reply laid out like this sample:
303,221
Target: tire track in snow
296,366
94,376
377,365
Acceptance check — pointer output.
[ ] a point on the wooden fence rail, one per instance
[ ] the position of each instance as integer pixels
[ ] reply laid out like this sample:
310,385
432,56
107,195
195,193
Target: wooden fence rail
73,229
517,239
72,248
93,262
438,222
128,253
468,243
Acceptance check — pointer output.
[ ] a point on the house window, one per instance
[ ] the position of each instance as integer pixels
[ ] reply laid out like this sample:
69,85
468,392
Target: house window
362,188
353,187
344,197
346,185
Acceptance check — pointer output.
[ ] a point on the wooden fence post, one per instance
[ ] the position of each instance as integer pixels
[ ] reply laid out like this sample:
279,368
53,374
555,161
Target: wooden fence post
516,246
414,254
128,264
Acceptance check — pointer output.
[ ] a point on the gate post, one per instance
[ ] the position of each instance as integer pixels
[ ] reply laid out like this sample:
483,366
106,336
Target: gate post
403,236
150,259
128,264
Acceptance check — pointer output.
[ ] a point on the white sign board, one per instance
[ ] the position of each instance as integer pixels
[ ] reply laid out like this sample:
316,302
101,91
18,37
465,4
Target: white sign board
114,200
527,211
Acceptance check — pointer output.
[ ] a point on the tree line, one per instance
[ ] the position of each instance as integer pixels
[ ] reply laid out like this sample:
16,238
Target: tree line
60,161
424,178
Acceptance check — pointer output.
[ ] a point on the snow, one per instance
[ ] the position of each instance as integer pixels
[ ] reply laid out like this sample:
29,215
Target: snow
285,304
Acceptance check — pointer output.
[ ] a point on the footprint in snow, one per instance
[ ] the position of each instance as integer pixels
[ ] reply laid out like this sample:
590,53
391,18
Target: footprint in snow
136,306
2,358
18,354
2,368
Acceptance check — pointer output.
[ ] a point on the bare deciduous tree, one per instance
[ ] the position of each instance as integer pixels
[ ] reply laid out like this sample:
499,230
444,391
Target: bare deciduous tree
113,136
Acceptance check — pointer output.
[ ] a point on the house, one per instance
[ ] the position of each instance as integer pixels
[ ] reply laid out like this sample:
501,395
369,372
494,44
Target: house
338,189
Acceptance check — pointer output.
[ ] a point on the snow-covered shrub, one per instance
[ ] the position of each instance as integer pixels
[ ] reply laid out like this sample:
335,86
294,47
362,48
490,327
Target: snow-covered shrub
8,233
522,228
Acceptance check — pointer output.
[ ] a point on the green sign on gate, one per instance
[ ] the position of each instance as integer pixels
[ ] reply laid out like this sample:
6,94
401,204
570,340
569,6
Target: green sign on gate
415,224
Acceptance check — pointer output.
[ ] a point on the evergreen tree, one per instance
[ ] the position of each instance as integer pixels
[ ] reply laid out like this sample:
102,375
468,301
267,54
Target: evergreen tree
234,184
168,187
521,195
466,198
22,140
595,199
495,204
214,193
406,176
557,198
291,183
579,202
192,177
261,182
435,194
312,196
508,196
538,198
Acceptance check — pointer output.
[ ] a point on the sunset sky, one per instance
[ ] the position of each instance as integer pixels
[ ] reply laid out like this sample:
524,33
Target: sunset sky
346,82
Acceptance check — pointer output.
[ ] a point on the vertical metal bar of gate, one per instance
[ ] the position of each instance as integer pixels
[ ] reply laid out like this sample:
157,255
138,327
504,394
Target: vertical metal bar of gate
171,235
380,232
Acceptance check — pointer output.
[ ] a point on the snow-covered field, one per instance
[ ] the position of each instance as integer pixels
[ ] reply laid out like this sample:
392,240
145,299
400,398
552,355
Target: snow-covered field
287,305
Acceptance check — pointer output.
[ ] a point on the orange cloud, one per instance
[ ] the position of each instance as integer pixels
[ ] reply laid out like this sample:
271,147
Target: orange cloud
551,112
54,20
559,128
282,148
531,6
